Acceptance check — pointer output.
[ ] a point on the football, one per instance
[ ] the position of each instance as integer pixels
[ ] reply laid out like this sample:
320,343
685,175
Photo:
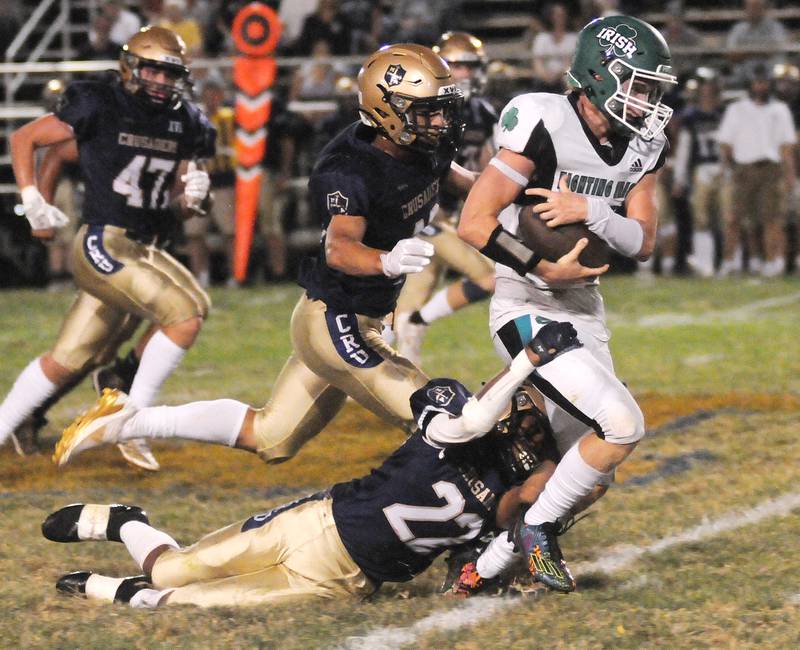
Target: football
552,243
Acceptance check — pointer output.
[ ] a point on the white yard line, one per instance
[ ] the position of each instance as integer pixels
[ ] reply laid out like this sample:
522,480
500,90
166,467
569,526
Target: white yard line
742,312
476,610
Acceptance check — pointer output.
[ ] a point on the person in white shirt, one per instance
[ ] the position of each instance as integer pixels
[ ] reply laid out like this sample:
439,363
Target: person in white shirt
756,139
124,23
552,50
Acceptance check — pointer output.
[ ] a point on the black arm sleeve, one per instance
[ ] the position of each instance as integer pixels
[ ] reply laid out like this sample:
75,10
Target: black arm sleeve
505,248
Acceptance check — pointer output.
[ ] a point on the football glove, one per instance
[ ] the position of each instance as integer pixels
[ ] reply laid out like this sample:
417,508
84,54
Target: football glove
197,185
407,256
40,214
554,339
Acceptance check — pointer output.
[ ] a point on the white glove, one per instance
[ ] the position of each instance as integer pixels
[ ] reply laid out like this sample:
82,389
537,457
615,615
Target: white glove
39,212
197,185
407,256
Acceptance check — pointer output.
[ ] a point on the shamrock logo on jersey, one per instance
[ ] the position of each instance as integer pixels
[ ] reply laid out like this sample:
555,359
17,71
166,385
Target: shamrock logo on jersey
394,74
618,41
337,202
510,119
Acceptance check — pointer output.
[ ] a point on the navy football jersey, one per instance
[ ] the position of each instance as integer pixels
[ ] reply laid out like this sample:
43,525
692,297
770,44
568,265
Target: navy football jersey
129,153
352,177
424,498
703,127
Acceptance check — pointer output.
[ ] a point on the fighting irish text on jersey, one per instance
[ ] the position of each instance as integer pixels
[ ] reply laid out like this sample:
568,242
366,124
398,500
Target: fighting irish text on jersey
129,153
424,498
352,177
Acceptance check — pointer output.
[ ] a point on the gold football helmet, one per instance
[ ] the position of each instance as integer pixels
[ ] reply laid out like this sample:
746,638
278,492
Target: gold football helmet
161,49
467,60
406,92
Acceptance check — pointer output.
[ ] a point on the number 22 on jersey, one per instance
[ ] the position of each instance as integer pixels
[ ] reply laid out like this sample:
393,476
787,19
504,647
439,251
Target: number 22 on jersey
398,514
141,176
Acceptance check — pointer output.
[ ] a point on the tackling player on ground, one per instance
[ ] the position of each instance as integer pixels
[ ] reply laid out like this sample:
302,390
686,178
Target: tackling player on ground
135,135
373,188
460,475
590,156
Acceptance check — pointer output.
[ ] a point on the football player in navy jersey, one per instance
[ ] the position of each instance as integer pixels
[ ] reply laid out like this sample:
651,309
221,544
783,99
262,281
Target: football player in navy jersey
136,135
469,468
418,305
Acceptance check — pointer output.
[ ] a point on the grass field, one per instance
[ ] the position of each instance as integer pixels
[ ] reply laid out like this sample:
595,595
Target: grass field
695,546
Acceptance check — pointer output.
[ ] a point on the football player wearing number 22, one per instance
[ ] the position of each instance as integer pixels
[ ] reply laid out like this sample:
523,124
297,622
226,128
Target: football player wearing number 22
136,136
590,156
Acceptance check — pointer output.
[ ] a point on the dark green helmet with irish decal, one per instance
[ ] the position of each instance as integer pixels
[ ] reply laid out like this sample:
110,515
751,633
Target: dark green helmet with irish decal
622,64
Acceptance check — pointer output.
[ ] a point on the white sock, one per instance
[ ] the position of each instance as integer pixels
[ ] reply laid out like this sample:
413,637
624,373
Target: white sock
103,588
703,247
30,390
437,307
573,479
148,598
218,421
160,357
141,539
497,557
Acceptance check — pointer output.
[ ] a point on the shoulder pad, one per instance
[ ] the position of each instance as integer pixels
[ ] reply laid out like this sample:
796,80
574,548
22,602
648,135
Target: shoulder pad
439,395
523,113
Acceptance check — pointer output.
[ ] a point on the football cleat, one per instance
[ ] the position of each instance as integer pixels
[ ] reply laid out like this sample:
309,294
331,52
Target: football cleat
137,453
85,584
83,522
118,374
97,426
469,582
539,545
409,338
26,436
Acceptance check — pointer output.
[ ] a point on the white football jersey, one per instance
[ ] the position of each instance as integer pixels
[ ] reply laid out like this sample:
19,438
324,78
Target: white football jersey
547,129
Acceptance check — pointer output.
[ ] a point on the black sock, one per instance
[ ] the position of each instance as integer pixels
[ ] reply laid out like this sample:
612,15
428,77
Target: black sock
416,318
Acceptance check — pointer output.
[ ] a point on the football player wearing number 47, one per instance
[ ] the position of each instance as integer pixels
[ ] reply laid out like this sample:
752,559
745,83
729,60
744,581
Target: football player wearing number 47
470,466
590,156
136,136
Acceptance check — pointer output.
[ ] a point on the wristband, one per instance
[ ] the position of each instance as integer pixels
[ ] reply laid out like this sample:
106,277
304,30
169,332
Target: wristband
505,248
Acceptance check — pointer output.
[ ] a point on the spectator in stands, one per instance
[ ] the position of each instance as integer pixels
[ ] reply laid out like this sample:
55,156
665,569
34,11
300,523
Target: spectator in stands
124,23
676,32
222,171
366,24
552,50
328,24
315,79
293,15
175,18
757,32
756,139
11,17
417,21
100,47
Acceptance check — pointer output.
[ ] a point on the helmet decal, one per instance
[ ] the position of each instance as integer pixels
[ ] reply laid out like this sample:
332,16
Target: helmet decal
618,41
441,395
394,74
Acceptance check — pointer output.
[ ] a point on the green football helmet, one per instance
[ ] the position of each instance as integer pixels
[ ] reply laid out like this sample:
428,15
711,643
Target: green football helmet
623,65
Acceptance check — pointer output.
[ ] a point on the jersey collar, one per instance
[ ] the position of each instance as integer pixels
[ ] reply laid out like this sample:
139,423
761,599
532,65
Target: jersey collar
612,153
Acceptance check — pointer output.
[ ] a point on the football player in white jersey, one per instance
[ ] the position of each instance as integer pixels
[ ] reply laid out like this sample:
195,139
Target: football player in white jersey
590,156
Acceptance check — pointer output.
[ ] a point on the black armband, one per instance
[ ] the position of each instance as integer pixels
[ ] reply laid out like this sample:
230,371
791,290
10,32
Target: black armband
504,248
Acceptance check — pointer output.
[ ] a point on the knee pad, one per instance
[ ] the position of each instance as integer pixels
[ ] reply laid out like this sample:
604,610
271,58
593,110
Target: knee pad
275,441
623,422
